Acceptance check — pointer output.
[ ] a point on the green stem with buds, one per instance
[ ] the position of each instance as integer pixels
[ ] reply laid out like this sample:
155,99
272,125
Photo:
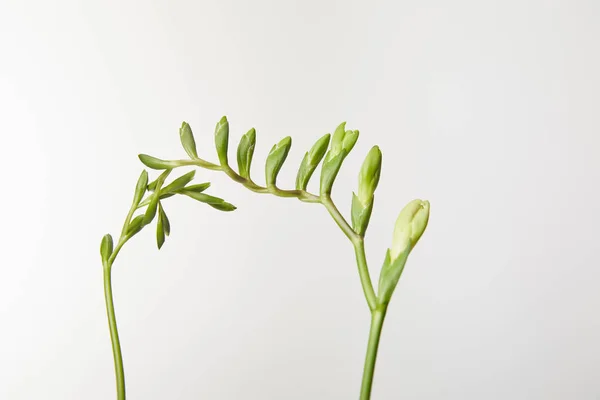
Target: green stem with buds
331,150
377,312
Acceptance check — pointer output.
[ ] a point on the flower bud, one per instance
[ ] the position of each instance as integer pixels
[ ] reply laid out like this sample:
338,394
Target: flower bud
349,141
369,176
222,140
410,225
275,160
310,162
157,163
361,214
140,188
187,140
337,141
331,167
106,247
245,153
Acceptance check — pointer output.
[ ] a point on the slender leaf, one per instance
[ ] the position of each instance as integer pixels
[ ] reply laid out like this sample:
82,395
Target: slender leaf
160,230
165,220
212,201
179,183
200,187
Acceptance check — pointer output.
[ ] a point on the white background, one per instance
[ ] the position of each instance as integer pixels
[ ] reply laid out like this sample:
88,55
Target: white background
489,109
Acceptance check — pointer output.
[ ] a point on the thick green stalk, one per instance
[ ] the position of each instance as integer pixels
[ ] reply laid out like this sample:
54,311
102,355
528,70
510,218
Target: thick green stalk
114,334
377,318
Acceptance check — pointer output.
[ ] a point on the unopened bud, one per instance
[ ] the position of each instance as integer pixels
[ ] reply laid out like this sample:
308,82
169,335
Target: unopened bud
410,225
275,160
369,175
222,140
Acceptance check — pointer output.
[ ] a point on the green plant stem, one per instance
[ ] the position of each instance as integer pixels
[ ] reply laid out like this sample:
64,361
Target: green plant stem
359,250
114,333
377,318
365,277
112,319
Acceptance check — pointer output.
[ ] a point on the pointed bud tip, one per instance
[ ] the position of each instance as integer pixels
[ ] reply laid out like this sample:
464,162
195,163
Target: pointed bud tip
286,141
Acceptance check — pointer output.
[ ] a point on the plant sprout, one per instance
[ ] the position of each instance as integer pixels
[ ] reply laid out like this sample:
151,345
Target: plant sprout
330,151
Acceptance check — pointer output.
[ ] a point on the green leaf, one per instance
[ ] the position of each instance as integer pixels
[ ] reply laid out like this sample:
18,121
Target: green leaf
223,206
106,247
245,152
311,161
151,210
187,140
135,225
200,187
165,221
154,199
179,183
361,214
140,188
329,172
275,160
222,140
212,201
160,230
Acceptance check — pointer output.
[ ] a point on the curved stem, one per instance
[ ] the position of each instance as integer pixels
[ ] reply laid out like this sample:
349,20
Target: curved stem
377,318
114,333
365,277
339,219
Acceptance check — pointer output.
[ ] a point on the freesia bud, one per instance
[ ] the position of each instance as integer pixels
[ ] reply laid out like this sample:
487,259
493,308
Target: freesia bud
369,176
106,248
222,140
337,141
157,163
187,140
342,143
350,139
275,160
245,152
310,162
410,225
